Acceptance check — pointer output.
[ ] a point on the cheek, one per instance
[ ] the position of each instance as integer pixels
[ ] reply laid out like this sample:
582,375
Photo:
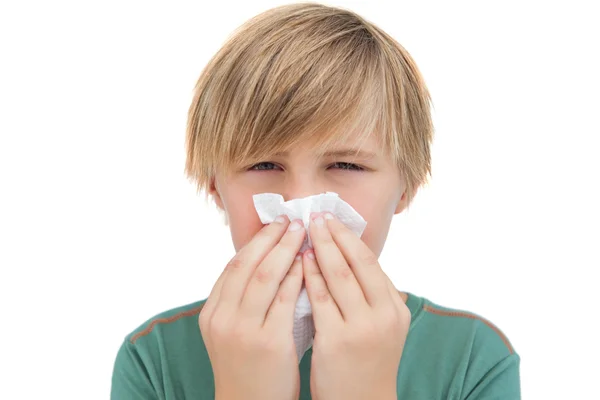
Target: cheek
243,224
378,214
375,233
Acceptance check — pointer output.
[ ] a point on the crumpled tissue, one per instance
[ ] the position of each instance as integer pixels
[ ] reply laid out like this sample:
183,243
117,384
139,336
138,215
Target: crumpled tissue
269,206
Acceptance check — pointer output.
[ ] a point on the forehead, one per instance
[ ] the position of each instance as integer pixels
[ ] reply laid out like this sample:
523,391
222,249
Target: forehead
368,152
353,143
364,148
322,143
342,145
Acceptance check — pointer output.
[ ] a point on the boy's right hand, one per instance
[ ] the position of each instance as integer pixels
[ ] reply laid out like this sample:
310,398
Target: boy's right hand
247,320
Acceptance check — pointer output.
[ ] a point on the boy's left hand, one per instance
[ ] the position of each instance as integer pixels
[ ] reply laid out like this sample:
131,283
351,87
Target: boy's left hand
360,320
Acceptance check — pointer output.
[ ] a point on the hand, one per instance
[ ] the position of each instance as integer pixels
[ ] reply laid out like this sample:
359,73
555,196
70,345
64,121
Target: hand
360,320
247,320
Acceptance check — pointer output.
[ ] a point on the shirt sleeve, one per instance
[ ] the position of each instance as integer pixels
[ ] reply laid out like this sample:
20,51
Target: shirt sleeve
130,379
501,382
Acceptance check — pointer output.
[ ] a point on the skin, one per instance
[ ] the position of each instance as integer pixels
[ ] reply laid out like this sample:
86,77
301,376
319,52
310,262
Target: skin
360,318
361,322
376,193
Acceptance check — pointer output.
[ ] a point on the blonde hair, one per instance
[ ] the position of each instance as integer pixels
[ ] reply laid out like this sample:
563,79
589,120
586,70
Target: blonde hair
307,71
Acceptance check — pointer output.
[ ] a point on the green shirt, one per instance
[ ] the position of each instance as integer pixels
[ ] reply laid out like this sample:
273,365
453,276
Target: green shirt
448,354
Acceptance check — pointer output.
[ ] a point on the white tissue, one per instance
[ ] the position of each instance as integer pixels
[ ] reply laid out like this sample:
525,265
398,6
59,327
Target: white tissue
269,206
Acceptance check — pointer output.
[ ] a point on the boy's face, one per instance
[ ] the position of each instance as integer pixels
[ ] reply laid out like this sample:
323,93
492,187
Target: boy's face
376,192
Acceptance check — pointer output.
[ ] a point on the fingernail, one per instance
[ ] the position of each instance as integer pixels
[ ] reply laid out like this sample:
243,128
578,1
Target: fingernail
319,221
298,257
311,255
295,226
280,219
328,216
314,215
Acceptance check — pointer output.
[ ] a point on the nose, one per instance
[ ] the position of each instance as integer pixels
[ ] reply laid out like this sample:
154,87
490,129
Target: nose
302,185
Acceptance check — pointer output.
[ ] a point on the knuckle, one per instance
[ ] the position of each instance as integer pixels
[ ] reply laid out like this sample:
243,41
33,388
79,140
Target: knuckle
315,273
391,321
295,272
203,320
205,314
264,235
370,261
234,264
282,297
344,272
263,275
405,316
327,240
286,246
322,295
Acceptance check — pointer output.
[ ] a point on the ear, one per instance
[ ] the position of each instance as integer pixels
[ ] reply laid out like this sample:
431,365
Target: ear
402,203
213,191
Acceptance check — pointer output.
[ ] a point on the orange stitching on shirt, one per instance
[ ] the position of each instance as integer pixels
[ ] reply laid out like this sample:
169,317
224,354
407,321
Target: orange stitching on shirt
166,321
472,316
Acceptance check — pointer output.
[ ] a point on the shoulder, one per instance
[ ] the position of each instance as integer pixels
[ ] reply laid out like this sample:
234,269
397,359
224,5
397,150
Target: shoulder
177,319
469,347
478,330
452,327
153,358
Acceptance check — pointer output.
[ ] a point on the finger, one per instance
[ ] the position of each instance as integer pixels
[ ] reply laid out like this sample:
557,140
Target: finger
324,309
362,260
213,297
281,311
399,303
397,300
342,283
267,277
242,266
208,309
394,293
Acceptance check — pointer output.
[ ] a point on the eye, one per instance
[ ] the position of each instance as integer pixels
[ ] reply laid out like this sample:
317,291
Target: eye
263,166
347,166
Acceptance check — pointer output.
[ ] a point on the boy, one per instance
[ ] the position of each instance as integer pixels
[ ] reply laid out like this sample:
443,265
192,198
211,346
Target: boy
304,99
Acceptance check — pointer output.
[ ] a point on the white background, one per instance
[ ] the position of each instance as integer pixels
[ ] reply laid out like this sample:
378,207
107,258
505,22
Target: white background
100,230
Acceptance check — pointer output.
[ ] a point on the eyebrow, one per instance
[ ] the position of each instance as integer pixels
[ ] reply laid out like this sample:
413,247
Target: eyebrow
341,153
